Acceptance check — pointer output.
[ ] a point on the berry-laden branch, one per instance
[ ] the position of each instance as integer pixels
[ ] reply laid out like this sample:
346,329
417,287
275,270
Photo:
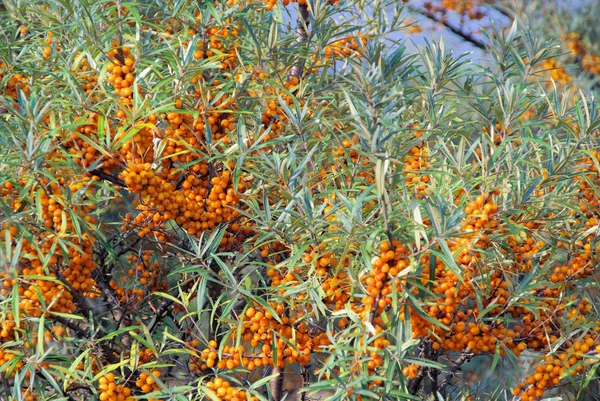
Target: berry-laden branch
299,189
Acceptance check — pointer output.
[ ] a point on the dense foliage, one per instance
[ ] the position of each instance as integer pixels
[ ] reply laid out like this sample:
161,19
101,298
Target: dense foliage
250,200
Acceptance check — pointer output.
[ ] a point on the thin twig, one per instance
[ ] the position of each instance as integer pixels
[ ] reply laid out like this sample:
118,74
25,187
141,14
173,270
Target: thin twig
455,30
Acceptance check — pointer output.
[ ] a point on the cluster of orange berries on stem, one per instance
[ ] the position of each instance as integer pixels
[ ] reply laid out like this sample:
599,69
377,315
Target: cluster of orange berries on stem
416,160
122,74
224,391
111,391
146,382
88,154
47,51
557,72
292,341
348,155
590,62
274,116
215,45
16,82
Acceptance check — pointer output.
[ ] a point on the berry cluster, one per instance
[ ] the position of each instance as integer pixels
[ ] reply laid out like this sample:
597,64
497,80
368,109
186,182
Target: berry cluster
224,391
590,62
110,391
146,382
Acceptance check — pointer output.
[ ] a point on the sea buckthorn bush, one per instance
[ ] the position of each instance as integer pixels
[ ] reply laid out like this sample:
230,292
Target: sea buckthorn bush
285,200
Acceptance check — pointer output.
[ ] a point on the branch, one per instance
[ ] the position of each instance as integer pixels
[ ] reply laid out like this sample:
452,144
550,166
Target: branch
301,37
5,387
80,301
455,30
107,177
415,384
118,312
304,382
164,307
276,384
452,372
81,332
503,11
433,377
75,388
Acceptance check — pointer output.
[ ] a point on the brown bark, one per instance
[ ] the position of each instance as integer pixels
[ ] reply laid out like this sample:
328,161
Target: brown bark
301,37
276,384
